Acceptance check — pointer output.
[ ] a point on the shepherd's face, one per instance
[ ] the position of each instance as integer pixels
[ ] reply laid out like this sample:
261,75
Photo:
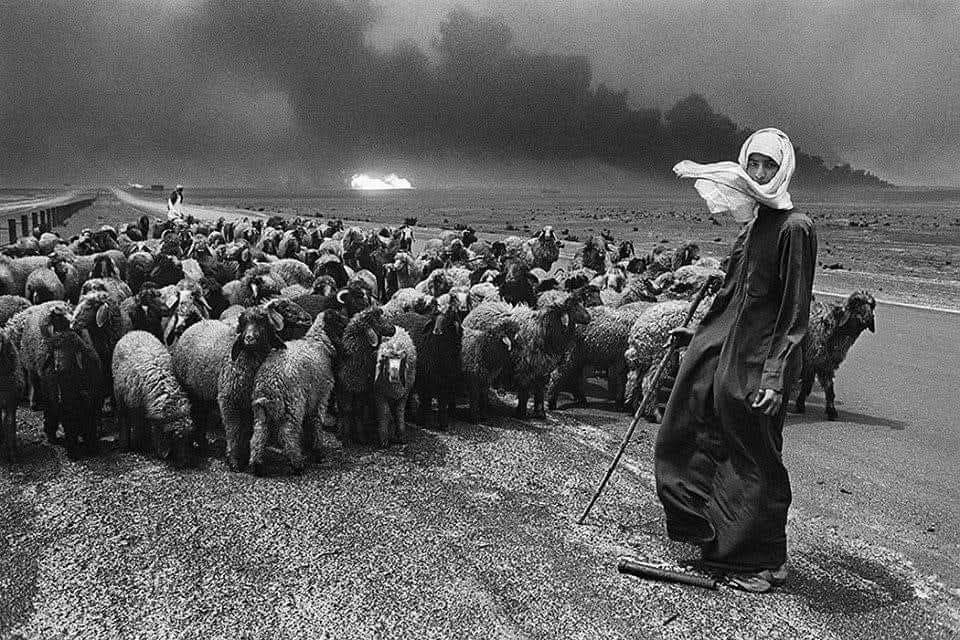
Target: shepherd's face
761,168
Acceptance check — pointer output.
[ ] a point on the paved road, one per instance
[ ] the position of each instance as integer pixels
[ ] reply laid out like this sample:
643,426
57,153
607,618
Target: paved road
472,533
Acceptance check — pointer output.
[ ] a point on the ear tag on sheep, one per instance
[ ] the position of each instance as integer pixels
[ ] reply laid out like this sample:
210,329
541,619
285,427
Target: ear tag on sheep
507,342
565,320
253,288
373,338
103,314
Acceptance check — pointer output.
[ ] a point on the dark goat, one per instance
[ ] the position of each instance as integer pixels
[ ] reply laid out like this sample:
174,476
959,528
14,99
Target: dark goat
517,285
72,380
438,339
832,330
355,372
256,336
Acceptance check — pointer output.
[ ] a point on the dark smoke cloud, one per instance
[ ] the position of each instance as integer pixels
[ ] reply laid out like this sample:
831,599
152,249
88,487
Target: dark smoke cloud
304,91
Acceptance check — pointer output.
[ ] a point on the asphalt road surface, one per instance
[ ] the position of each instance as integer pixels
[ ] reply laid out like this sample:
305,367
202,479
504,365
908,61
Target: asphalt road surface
473,534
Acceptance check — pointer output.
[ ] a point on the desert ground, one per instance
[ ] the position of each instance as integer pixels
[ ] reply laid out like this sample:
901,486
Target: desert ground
472,533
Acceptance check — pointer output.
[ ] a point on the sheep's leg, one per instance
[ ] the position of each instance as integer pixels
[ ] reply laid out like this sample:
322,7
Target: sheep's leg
198,413
122,417
258,440
538,390
445,406
579,384
633,389
380,404
553,387
616,383
291,434
523,395
238,455
91,430
826,381
400,435
8,433
474,389
38,401
71,433
425,398
51,421
344,402
806,385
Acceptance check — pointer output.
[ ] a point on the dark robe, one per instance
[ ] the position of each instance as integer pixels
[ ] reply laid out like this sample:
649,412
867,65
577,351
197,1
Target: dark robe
718,466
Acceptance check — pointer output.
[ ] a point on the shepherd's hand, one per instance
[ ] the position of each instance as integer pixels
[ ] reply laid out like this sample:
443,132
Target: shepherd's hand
680,337
768,401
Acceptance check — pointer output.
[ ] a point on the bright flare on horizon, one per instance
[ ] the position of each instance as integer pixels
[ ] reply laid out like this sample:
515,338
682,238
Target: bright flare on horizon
392,181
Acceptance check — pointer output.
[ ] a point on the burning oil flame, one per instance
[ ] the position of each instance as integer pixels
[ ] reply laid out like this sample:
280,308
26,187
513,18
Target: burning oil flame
392,181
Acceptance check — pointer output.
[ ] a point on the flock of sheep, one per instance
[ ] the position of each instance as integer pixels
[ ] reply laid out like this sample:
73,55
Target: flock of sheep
282,328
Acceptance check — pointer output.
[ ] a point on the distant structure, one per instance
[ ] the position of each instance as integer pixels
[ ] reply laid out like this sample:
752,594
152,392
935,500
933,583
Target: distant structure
157,187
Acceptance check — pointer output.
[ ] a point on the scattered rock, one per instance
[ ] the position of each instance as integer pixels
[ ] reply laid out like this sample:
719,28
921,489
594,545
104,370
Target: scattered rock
833,265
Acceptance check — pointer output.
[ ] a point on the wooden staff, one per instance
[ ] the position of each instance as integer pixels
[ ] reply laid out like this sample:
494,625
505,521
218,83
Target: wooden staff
648,395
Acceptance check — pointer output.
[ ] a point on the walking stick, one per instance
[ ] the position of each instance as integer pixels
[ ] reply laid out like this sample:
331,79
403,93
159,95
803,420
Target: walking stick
648,395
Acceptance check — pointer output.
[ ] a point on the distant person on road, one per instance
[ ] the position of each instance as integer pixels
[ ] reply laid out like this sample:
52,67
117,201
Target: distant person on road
174,211
718,465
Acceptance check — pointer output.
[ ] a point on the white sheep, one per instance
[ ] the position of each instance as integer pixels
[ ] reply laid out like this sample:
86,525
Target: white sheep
152,408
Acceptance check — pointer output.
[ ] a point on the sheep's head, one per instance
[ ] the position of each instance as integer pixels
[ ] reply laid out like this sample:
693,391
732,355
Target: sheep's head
353,299
324,286
439,283
858,312
257,332
586,296
187,306
296,321
104,267
504,335
375,326
685,254
263,287
446,320
575,281
147,314
331,265
95,309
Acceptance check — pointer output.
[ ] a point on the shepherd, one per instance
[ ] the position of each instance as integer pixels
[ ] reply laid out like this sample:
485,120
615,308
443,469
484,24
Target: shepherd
719,470
174,202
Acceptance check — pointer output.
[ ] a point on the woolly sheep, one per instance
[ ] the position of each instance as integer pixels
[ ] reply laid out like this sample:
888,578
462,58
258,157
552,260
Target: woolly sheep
11,390
98,314
395,376
152,408
43,285
832,330
409,299
485,355
599,343
24,330
543,337
649,334
291,390
197,359
256,335
11,306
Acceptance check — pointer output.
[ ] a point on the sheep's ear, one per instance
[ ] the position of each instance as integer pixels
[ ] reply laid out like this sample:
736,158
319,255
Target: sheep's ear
255,290
171,299
403,372
204,307
168,330
373,337
79,357
245,255
843,317
47,330
103,315
237,347
565,319
506,340
276,320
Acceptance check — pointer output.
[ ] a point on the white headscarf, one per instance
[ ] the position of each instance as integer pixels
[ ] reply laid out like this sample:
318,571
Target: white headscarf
727,188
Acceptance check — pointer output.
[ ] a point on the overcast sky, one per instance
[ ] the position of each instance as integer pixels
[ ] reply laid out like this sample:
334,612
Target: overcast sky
227,91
